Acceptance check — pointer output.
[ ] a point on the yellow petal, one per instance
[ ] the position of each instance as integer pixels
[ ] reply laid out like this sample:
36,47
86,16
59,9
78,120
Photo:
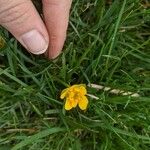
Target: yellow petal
68,105
83,103
74,103
63,93
80,87
75,85
83,89
83,85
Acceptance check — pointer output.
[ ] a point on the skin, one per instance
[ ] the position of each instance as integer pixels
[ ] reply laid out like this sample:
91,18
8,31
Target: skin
20,16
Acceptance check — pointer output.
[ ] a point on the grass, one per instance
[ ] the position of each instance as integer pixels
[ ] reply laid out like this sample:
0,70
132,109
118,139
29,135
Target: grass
108,44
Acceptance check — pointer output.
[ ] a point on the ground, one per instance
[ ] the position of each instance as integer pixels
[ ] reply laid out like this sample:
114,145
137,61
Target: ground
108,44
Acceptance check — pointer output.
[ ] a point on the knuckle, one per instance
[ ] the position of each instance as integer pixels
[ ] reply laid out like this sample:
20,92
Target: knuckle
14,13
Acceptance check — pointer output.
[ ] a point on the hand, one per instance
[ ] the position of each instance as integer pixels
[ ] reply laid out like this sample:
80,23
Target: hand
23,21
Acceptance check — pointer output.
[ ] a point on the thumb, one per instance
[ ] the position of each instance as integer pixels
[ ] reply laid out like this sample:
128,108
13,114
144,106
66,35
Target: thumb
22,20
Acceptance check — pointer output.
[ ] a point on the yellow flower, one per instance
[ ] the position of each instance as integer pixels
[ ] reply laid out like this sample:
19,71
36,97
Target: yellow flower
75,95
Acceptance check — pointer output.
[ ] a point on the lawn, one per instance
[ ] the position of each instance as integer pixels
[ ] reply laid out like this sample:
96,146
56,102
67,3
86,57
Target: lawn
108,44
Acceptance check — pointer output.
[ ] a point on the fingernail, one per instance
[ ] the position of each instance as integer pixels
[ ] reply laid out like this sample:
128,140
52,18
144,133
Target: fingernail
34,42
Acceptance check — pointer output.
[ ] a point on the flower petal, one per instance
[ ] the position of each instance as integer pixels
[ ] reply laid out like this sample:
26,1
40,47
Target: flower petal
83,103
75,86
63,93
68,105
74,103
83,89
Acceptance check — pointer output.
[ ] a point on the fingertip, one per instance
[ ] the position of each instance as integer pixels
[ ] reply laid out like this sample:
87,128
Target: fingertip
35,42
54,51
56,16
21,18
